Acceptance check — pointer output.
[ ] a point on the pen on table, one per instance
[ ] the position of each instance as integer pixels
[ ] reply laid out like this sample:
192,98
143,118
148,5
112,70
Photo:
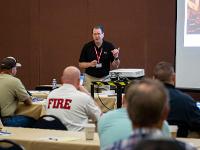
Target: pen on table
53,139
5,132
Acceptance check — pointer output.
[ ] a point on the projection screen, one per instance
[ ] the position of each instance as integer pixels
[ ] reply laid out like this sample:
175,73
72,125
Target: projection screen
188,44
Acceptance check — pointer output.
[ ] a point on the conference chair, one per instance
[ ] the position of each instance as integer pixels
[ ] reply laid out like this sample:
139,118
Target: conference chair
183,128
49,122
43,88
10,145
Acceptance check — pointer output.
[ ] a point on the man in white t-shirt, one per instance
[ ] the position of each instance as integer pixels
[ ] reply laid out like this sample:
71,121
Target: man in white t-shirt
71,103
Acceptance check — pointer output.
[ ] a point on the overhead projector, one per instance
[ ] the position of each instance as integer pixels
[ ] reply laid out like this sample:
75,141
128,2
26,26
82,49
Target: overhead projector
126,73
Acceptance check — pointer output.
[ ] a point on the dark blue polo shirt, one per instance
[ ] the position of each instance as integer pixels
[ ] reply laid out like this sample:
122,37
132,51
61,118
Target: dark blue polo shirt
183,111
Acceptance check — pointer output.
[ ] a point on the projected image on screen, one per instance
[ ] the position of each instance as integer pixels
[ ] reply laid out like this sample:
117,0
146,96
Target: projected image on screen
188,45
192,23
193,17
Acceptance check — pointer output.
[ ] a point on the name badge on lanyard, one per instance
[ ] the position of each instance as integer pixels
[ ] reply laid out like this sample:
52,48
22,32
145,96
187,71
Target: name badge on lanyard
98,65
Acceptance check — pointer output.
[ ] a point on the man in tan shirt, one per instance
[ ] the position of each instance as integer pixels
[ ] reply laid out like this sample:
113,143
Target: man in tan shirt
12,91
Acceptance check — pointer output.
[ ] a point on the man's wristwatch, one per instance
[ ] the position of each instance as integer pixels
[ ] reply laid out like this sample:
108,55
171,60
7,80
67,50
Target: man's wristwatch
117,58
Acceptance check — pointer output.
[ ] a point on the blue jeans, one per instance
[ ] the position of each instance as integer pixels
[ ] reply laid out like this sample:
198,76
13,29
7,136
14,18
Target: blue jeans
18,121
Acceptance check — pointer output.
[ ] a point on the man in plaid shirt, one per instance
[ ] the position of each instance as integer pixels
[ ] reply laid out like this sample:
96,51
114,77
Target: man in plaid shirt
147,108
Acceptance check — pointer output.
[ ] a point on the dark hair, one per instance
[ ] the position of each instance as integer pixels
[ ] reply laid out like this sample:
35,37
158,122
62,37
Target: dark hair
163,71
99,27
146,100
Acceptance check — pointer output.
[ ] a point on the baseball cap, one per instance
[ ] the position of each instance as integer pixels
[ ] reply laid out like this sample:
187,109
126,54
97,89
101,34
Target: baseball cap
9,63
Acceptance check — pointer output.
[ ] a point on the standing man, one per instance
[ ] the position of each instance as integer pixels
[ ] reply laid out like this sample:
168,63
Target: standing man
96,57
71,103
11,92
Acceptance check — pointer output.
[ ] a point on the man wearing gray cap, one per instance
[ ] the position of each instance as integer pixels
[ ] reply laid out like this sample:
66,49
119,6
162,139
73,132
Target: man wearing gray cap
12,91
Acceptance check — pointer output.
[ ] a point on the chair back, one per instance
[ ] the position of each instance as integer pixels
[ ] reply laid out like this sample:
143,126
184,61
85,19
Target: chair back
183,128
49,122
10,145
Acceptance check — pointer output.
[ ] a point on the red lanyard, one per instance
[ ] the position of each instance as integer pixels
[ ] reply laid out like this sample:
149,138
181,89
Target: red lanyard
98,56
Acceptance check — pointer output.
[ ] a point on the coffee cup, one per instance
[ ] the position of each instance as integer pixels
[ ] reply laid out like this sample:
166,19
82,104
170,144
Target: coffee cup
173,130
89,131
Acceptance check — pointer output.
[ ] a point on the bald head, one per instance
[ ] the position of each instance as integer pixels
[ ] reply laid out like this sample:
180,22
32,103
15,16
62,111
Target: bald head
71,75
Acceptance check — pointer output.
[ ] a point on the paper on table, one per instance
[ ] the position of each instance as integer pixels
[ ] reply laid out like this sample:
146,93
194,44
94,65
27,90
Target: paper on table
5,133
37,99
42,92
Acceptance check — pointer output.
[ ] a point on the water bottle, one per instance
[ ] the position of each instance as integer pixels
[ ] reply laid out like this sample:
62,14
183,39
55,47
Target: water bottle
54,84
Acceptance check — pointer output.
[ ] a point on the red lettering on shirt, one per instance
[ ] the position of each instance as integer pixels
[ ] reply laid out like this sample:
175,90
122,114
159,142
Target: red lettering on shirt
49,102
55,103
67,103
59,103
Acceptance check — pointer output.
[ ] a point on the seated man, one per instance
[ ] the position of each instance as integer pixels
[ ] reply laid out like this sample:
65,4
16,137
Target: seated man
116,125
147,108
12,91
71,103
184,112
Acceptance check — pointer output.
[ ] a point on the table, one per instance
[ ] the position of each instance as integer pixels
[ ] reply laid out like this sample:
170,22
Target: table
194,142
40,94
36,110
109,102
40,139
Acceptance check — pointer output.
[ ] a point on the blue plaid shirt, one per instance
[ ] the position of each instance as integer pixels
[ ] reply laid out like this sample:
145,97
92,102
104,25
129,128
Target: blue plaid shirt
137,135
